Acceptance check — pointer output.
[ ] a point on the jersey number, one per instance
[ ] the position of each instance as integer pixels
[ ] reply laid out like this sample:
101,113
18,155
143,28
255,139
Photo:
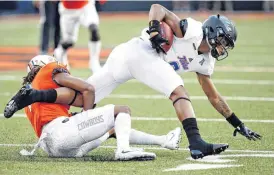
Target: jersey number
182,61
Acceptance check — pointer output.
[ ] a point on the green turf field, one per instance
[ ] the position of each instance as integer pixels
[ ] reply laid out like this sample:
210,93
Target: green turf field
254,50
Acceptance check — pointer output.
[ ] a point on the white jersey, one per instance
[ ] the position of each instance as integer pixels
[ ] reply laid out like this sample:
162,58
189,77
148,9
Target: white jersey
183,55
136,59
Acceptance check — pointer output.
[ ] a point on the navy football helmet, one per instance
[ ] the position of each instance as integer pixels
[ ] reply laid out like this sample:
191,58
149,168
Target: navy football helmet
219,31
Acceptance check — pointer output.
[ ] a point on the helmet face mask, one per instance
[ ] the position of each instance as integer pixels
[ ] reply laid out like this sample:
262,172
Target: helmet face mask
220,35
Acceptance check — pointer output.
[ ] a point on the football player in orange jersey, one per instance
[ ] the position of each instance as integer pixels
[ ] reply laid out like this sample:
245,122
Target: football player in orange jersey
62,135
72,14
45,113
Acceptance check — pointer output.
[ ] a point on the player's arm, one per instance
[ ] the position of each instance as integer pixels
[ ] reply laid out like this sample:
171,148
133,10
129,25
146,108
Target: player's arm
86,89
219,103
159,13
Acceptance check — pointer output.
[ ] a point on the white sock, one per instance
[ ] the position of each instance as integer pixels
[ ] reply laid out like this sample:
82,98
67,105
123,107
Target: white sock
122,128
87,147
94,55
141,138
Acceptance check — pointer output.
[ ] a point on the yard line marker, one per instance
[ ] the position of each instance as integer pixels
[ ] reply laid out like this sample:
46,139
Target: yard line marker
196,166
147,118
154,97
160,97
225,81
187,80
243,69
9,78
147,147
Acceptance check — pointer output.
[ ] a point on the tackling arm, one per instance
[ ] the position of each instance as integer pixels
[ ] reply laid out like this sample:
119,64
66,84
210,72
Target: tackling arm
86,89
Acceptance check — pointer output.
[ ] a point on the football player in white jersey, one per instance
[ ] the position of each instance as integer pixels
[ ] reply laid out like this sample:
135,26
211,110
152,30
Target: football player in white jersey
195,48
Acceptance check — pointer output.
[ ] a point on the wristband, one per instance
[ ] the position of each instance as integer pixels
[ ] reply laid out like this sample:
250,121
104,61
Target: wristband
234,120
154,26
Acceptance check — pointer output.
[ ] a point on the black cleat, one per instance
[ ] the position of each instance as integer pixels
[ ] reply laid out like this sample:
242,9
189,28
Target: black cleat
211,149
13,104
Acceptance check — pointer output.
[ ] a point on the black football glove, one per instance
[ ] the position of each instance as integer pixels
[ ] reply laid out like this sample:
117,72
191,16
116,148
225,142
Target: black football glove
242,129
245,131
157,40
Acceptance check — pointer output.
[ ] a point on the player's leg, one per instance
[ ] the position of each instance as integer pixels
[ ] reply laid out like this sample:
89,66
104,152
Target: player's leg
94,46
122,126
67,135
69,23
113,73
27,96
56,24
45,13
153,71
74,132
170,141
87,147
122,129
90,20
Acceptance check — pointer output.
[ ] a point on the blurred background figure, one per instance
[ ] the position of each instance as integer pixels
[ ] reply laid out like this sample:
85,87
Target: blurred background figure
72,14
50,24
180,6
217,5
268,5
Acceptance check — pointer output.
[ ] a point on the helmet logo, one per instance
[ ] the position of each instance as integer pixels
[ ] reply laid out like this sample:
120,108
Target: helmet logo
229,29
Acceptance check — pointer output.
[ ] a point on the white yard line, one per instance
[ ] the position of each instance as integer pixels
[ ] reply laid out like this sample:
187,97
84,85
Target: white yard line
149,147
159,97
187,80
243,69
146,118
153,97
225,81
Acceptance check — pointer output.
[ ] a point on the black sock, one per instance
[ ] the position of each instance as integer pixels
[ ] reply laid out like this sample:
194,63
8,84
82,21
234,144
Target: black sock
194,137
47,96
192,131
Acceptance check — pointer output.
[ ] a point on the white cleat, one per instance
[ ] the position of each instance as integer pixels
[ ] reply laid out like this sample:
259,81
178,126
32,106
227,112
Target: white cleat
137,155
173,139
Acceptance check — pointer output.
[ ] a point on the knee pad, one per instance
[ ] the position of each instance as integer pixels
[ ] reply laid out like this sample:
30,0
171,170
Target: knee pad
67,45
94,32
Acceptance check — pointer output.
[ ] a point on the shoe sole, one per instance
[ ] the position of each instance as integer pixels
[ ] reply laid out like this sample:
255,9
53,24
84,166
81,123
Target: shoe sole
138,159
10,109
179,140
196,154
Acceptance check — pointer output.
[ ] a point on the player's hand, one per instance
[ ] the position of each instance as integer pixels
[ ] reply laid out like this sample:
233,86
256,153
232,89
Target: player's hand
245,131
156,41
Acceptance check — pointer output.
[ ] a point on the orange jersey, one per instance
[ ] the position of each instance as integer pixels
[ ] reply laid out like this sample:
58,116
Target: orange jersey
40,114
76,4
